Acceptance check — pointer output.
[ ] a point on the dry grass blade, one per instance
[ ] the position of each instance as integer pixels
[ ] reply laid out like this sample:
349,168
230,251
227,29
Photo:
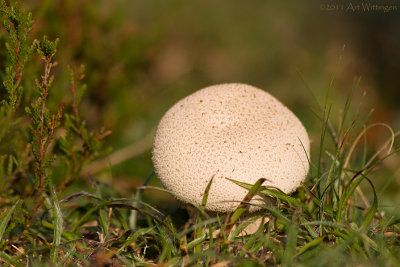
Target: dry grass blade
120,156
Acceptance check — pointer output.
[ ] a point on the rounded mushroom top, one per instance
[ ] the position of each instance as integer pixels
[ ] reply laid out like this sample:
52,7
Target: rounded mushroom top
232,131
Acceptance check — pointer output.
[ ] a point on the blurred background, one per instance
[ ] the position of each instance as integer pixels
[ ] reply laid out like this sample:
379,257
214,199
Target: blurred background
143,56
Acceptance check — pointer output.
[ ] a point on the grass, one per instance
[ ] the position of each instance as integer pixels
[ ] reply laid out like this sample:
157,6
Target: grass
322,224
334,219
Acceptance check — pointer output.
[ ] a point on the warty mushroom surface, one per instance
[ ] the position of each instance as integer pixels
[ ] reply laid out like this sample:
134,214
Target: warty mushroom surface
232,131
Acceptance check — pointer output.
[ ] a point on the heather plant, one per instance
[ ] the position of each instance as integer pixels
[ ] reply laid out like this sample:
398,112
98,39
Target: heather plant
30,151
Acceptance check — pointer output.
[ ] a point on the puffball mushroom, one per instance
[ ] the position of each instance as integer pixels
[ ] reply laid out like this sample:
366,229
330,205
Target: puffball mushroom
234,131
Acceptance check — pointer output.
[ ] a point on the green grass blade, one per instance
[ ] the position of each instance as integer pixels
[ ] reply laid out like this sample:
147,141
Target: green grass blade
58,225
131,239
311,231
278,214
6,217
291,243
325,223
244,204
251,244
86,216
372,210
272,192
353,184
309,245
197,241
138,197
199,231
195,226
241,227
356,84
10,260
80,194
308,88
322,138
103,218
66,234
121,218
206,192
275,192
167,244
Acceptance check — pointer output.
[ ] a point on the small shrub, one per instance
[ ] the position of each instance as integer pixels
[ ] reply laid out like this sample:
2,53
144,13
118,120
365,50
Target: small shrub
35,139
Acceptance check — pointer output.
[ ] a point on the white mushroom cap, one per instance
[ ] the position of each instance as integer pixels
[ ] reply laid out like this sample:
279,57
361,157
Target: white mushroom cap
229,130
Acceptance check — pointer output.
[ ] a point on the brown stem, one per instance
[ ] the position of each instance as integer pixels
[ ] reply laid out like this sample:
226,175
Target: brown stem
44,138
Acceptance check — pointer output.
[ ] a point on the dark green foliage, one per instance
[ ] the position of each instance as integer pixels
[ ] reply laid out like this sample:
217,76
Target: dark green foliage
19,49
43,121
28,146
79,146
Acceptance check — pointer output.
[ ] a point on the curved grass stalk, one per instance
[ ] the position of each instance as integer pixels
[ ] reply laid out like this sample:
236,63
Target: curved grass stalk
352,148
